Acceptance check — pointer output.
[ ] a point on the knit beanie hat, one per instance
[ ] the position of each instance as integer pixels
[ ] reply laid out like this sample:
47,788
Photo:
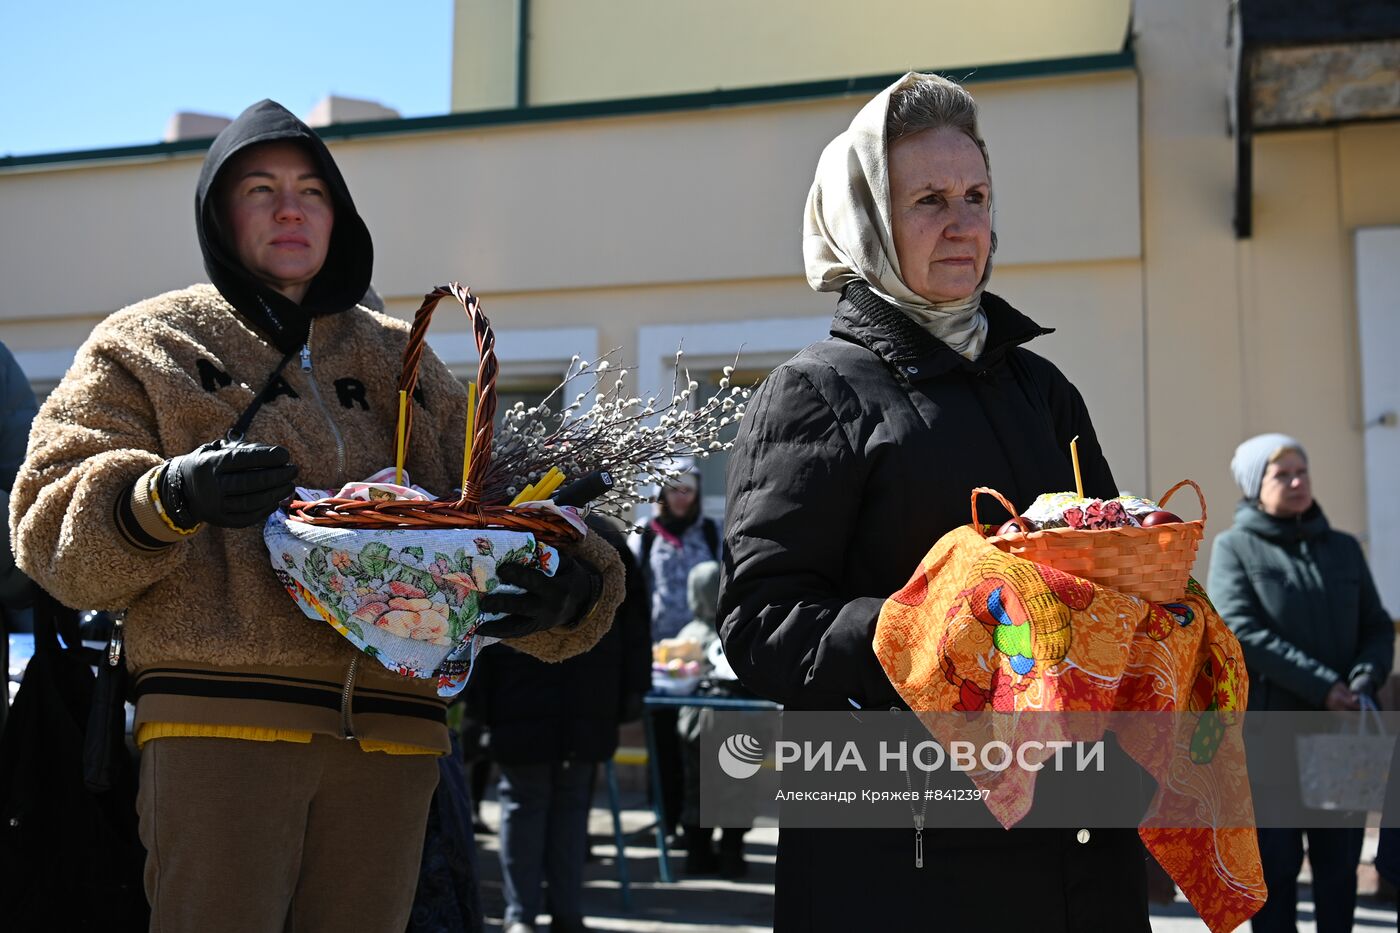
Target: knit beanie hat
1252,459
687,473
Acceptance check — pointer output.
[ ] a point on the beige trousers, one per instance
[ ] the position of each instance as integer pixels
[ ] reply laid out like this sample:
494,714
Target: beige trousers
281,837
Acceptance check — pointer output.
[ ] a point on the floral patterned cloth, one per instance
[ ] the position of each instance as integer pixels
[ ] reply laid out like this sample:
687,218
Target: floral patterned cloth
405,597
978,629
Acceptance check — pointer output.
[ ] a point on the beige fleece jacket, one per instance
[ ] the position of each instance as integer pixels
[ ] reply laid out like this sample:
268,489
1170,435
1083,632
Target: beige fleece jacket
166,375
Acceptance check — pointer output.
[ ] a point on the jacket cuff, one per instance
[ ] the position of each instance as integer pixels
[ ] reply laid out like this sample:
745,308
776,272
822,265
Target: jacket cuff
1365,667
595,590
560,643
138,519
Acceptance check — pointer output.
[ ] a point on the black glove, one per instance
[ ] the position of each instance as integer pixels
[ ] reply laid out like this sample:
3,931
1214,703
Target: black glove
1363,683
229,485
547,601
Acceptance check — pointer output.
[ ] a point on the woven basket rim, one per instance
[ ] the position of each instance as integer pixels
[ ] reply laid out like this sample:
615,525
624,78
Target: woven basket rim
1125,531
1159,558
1136,531
431,515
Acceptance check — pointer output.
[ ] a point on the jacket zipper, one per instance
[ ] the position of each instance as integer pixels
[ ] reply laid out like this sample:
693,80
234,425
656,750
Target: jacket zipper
347,728
316,394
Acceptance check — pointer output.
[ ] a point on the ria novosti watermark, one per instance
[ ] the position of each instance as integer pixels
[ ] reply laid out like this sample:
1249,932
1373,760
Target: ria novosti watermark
741,756
1193,768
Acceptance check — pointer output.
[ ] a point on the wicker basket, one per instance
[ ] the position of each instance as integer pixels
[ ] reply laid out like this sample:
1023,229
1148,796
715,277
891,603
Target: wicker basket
1151,563
468,511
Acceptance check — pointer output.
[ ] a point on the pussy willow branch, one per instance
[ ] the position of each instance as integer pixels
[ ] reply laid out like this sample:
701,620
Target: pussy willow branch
639,442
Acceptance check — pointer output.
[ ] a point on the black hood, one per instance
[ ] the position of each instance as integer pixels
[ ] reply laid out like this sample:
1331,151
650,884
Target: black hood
349,261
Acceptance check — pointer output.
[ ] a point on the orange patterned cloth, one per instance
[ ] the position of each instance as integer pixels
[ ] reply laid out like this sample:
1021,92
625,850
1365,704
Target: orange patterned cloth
977,629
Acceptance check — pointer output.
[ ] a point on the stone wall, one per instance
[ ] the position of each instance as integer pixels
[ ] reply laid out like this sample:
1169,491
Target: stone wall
1313,85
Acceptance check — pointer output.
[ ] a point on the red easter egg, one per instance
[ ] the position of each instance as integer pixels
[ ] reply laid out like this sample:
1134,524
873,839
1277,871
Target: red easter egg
1159,517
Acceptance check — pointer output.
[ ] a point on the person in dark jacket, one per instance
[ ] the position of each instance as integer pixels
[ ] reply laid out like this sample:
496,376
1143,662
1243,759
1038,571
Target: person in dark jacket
15,417
1300,598
854,458
1388,845
549,727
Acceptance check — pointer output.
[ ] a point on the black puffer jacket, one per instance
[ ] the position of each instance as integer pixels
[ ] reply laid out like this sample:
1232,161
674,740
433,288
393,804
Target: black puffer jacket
855,457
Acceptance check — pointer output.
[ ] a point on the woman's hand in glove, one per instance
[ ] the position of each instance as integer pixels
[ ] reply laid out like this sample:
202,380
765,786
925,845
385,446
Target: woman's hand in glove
229,485
547,601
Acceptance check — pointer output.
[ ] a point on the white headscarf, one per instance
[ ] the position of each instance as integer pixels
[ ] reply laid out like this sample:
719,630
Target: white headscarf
847,235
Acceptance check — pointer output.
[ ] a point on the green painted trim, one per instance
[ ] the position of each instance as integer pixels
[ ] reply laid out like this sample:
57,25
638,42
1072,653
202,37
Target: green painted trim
632,106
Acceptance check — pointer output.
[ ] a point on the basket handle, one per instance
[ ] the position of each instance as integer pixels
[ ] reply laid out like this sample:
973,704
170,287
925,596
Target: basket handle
485,380
1015,514
1199,495
1370,713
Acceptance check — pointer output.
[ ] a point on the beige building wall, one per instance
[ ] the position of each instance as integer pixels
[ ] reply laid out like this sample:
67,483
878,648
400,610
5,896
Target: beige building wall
1194,385
484,35
1248,336
584,50
623,225
1114,199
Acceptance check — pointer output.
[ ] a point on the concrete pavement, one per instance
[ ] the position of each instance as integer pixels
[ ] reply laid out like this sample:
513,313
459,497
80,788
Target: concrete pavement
700,905
689,905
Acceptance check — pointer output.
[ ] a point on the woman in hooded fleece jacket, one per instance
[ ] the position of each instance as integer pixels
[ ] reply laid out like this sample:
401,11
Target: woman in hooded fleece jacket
284,783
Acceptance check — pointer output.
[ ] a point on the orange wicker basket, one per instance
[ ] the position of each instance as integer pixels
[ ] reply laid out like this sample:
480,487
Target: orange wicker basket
468,511
1151,563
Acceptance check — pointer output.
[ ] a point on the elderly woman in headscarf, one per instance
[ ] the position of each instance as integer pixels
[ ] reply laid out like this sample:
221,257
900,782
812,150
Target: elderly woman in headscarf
1300,598
856,456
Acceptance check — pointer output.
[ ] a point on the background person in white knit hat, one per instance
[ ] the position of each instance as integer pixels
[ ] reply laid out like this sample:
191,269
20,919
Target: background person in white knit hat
1300,598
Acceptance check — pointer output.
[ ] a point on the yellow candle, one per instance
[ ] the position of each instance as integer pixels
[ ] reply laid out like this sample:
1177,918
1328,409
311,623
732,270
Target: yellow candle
398,447
1074,455
471,431
542,489
552,481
